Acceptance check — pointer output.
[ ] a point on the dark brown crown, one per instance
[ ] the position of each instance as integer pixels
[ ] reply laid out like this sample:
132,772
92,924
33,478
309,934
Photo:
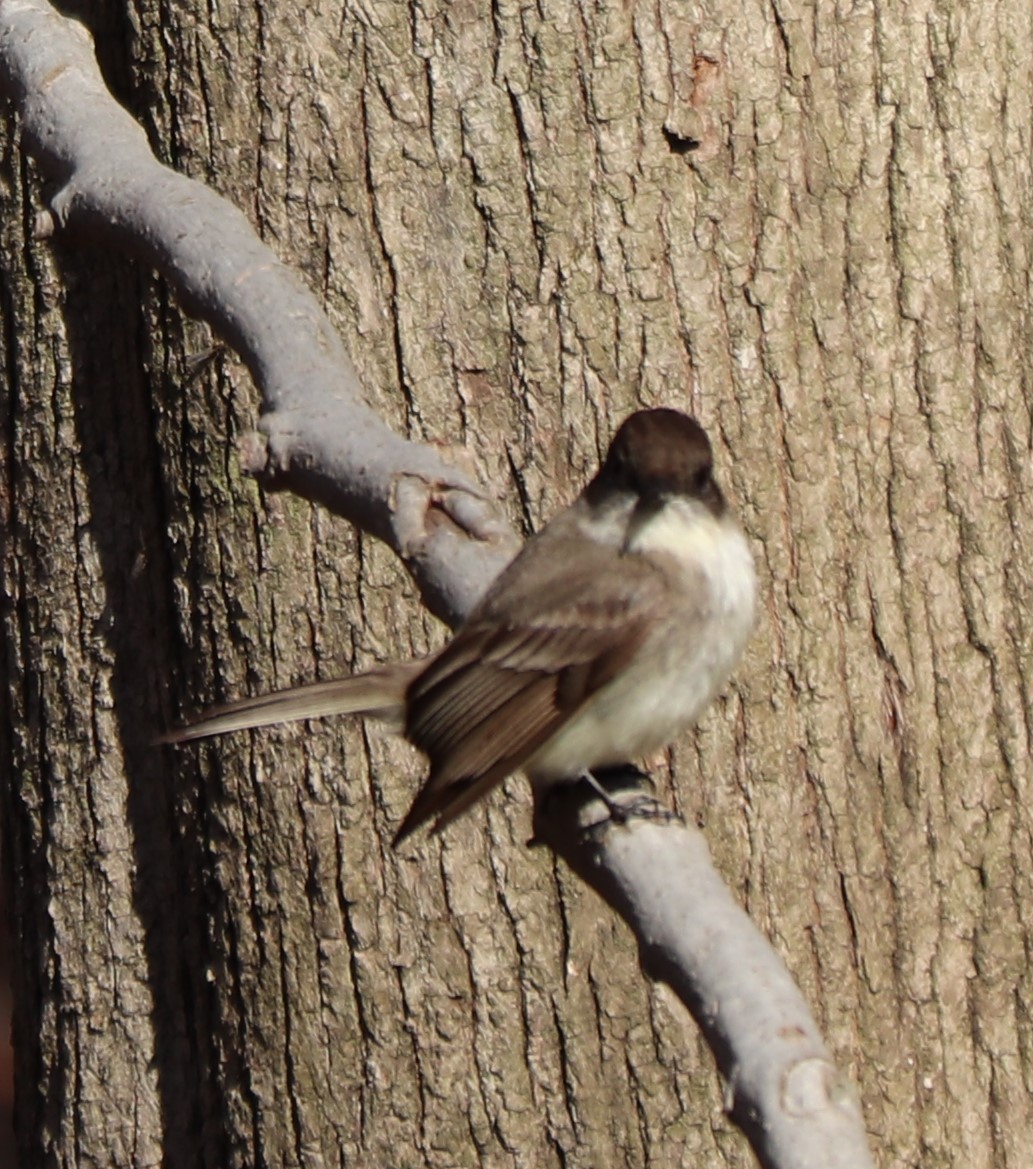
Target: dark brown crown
658,453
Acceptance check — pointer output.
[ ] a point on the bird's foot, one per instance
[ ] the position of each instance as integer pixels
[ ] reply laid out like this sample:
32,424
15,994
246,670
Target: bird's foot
620,790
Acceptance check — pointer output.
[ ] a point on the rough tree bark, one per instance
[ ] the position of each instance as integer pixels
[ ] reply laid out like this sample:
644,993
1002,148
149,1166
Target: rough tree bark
518,247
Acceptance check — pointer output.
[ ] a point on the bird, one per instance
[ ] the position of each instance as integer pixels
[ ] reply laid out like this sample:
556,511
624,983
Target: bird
609,634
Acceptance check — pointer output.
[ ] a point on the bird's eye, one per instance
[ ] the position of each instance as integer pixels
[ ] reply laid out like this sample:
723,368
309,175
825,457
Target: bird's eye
701,479
620,463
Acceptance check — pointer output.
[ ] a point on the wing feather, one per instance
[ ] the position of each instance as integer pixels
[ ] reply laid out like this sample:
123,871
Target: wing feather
451,715
481,764
506,732
501,689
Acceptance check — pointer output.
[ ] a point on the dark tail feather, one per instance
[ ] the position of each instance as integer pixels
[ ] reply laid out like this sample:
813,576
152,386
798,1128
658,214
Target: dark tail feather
379,694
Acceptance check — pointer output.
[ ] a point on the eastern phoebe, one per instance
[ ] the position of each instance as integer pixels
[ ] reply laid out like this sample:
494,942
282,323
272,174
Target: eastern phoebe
608,634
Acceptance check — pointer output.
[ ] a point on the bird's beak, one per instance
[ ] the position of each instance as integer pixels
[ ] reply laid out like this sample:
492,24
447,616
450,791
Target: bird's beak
646,507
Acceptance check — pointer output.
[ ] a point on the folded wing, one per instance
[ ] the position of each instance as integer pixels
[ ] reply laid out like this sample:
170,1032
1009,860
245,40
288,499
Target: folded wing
496,694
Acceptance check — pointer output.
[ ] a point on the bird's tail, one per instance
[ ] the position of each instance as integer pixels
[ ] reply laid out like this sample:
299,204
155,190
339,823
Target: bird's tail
378,694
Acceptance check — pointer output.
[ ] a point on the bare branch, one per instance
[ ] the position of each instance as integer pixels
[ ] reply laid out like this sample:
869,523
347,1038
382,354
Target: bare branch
325,443
783,1089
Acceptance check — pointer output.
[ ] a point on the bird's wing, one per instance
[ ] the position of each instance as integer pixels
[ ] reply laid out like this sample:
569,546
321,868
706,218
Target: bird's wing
498,692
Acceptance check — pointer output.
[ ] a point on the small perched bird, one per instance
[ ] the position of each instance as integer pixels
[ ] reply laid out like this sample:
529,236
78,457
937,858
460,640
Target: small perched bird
609,634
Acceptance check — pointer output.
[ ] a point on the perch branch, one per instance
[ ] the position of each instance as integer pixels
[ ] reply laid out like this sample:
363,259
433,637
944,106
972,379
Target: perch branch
326,444
782,1088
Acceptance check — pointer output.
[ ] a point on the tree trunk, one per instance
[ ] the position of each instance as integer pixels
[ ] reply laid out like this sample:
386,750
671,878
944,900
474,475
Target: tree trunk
807,227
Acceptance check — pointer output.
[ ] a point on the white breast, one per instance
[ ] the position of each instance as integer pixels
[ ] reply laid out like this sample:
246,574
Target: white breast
683,665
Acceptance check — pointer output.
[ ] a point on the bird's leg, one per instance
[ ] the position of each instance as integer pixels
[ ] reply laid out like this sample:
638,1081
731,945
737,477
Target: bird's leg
624,778
618,813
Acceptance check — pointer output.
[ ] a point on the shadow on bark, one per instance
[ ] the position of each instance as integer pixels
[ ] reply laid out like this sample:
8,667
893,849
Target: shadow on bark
114,416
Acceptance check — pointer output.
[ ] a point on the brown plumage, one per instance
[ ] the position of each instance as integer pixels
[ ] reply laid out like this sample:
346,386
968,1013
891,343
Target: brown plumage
604,635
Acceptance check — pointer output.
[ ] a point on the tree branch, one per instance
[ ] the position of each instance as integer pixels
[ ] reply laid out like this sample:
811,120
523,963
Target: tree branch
783,1089
326,444
322,440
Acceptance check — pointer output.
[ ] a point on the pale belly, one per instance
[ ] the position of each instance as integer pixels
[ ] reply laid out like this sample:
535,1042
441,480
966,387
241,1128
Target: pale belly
674,677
